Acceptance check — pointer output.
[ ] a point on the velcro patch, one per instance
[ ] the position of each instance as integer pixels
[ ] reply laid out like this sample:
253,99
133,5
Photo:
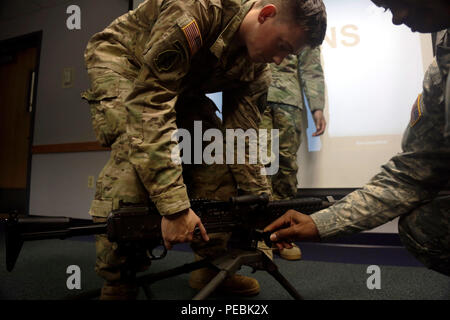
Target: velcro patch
166,60
193,36
417,111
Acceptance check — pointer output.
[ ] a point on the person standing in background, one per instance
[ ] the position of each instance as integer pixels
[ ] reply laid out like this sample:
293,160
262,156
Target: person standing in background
295,81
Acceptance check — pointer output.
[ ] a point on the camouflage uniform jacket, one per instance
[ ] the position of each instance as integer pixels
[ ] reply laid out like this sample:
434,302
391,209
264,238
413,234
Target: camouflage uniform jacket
295,75
170,47
410,178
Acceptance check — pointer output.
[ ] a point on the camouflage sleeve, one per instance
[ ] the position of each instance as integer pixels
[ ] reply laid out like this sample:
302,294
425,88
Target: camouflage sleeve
311,78
243,109
409,179
284,87
176,36
400,187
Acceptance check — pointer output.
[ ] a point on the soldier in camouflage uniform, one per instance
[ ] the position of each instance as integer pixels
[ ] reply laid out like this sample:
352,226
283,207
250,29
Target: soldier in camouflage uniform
285,107
150,70
409,185
286,104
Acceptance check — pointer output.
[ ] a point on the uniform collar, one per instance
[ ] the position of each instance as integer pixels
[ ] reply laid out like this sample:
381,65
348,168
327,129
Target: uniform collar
224,44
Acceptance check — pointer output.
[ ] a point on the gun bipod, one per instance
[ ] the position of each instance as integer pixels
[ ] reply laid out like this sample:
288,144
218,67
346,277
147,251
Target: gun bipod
226,265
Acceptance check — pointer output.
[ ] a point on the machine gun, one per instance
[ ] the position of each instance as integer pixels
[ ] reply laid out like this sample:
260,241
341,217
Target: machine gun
137,231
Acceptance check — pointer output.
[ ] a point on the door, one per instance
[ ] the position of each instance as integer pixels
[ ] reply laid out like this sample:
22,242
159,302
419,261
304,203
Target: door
18,79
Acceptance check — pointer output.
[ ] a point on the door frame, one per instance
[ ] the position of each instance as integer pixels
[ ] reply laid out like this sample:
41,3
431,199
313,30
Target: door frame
30,40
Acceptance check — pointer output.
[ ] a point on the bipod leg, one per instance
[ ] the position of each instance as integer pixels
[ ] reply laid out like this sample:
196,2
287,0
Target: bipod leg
227,265
272,269
144,281
211,286
153,277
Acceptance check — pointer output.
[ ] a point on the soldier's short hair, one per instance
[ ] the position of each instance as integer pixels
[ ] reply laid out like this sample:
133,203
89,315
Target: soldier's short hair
311,15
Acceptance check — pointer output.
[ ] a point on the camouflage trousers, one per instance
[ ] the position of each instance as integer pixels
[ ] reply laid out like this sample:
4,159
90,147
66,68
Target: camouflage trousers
425,232
118,181
288,120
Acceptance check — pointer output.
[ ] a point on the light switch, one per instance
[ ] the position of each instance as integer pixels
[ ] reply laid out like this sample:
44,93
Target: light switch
68,74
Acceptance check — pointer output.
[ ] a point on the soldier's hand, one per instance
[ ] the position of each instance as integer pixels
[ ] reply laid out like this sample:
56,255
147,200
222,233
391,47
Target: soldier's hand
320,122
292,226
180,228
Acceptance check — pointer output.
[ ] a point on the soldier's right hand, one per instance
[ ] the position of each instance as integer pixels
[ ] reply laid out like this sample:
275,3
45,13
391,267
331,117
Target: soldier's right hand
180,228
290,227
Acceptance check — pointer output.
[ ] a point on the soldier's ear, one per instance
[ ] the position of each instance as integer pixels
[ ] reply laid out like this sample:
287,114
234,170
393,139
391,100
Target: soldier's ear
268,11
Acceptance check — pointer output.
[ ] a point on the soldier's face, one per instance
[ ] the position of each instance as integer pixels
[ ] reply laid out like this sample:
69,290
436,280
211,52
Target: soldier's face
274,40
419,15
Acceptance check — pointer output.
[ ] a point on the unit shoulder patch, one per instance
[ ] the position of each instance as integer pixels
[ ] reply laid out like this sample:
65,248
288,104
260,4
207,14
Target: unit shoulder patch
417,111
166,60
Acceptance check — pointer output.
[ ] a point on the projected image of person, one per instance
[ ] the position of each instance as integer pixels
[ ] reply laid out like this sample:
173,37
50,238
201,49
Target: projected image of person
412,184
297,74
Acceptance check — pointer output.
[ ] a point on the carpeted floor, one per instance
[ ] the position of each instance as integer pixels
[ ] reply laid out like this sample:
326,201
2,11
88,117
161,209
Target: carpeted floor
327,272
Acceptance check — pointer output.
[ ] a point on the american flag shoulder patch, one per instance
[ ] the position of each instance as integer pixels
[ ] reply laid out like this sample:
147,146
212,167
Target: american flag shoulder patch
193,36
417,111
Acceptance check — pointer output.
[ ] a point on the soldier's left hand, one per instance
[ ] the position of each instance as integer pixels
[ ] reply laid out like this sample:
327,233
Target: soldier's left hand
320,122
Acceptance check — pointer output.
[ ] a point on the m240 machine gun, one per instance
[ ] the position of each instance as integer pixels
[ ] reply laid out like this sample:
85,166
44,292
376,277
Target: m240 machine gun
137,231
